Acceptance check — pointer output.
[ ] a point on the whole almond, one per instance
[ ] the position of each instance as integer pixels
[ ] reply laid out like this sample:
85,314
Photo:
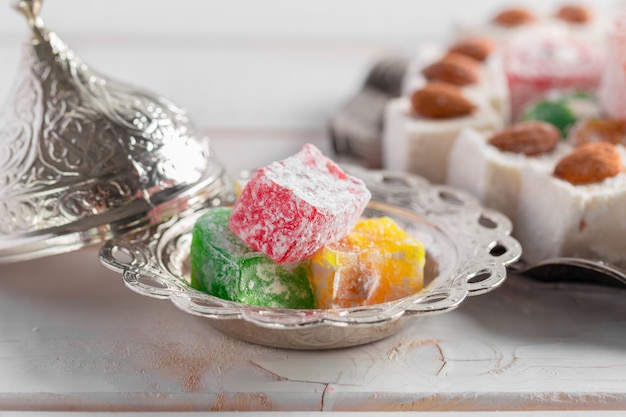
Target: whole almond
574,14
476,48
455,69
438,100
598,130
528,138
589,163
514,17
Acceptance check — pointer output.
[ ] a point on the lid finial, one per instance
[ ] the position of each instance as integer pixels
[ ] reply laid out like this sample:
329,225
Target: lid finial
31,9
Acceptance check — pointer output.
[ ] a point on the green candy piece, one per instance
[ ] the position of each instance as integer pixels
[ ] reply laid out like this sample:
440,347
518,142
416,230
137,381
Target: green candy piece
224,266
557,113
565,110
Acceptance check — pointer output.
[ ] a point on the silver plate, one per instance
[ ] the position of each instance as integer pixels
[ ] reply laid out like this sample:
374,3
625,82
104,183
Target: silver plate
468,249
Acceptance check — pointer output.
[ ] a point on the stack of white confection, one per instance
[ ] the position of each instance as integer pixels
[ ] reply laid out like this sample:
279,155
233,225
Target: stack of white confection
577,209
517,22
420,128
490,82
565,198
490,165
559,173
490,64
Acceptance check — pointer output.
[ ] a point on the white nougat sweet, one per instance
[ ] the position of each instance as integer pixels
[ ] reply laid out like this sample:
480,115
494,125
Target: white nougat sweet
420,145
504,35
556,218
493,84
492,175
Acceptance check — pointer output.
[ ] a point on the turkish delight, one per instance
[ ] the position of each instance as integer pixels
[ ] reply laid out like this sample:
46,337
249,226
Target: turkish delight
614,78
598,130
536,65
489,166
415,141
291,208
564,110
375,263
486,73
505,26
581,209
224,266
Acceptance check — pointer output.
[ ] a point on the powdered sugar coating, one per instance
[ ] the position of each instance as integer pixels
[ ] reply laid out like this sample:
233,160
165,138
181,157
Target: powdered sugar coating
535,65
224,266
492,175
376,262
556,218
614,76
291,208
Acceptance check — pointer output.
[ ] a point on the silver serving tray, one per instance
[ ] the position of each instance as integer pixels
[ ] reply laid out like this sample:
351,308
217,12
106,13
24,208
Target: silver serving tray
468,249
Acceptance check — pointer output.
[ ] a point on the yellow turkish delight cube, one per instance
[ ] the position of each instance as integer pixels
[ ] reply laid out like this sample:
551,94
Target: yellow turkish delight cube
375,263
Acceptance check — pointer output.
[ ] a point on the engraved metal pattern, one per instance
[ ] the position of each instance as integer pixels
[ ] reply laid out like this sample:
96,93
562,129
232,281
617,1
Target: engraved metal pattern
80,151
468,249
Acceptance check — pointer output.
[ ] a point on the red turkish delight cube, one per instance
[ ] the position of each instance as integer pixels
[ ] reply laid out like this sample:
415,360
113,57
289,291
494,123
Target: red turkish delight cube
291,208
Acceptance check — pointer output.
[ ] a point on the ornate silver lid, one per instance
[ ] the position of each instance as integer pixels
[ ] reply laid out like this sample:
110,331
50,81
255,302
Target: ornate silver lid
84,158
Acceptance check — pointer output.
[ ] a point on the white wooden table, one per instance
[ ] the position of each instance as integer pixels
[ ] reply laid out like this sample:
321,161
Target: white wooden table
73,337
265,79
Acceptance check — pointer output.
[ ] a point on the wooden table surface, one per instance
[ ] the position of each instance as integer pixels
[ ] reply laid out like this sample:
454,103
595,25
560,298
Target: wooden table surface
73,337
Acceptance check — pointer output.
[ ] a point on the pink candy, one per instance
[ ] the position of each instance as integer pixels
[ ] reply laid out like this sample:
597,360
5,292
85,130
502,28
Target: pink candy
614,78
536,65
291,208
